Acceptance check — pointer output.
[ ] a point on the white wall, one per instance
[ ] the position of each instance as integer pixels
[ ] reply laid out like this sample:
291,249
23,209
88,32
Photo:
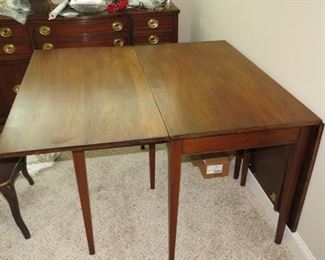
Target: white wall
287,40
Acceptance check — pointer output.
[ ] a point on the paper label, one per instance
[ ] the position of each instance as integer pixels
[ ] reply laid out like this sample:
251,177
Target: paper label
213,169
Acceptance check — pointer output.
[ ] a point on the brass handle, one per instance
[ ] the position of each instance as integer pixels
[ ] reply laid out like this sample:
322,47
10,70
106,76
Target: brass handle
153,39
117,26
5,32
118,42
47,46
9,48
153,23
44,30
16,89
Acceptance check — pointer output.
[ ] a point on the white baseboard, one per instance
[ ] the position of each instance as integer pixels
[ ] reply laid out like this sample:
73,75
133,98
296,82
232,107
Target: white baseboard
295,243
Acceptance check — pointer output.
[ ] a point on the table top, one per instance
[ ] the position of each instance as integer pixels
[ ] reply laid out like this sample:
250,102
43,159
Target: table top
209,88
87,98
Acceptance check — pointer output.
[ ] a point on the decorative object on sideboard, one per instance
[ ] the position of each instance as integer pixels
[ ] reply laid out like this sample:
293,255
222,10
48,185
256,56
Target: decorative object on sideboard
58,9
149,4
117,6
15,9
88,6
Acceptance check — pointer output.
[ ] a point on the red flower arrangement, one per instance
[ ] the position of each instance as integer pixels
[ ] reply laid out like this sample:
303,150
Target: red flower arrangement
117,6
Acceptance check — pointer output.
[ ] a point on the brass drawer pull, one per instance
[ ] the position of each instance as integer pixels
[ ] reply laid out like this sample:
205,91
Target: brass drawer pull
47,46
44,30
117,26
118,42
153,23
9,48
16,89
5,32
153,39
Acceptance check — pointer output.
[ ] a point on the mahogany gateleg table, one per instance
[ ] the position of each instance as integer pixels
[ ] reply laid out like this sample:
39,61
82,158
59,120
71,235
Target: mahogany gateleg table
211,99
198,97
83,99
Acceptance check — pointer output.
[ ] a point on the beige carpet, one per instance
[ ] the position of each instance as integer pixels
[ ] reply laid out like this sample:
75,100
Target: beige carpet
218,219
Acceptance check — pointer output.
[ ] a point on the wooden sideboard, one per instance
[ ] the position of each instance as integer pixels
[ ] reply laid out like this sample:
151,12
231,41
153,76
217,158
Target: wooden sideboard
17,41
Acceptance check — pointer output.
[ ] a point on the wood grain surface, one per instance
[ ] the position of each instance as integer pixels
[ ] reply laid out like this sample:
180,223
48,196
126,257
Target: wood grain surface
210,88
83,98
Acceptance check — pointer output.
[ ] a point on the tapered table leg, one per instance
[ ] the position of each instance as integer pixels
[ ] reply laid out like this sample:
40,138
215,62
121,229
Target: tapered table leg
81,175
174,169
152,163
237,164
246,159
290,182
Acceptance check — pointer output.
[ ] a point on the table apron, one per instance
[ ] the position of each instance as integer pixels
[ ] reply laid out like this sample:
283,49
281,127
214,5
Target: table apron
240,141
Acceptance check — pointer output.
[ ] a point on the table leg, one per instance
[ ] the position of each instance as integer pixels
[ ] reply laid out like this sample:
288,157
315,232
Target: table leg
174,175
290,181
152,163
81,175
246,159
239,157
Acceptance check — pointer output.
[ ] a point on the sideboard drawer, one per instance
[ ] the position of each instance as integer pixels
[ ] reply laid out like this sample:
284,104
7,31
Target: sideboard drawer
54,43
153,22
17,49
79,27
153,38
10,30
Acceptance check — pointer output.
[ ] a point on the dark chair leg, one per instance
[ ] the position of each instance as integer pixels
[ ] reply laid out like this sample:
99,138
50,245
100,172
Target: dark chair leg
246,160
10,194
26,174
152,163
239,157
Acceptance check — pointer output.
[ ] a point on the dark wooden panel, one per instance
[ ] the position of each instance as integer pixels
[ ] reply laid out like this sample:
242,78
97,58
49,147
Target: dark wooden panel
305,175
269,166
